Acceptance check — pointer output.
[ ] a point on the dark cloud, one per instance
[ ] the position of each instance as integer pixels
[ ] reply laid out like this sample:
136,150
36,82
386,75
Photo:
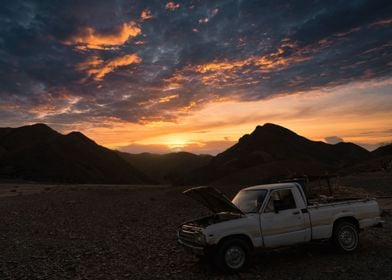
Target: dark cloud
197,51
333,139
339,17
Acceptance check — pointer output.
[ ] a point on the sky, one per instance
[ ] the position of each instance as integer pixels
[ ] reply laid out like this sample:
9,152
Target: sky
166,76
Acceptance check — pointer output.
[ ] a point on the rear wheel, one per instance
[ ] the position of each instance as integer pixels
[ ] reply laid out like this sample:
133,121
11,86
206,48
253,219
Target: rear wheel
345,236
232,255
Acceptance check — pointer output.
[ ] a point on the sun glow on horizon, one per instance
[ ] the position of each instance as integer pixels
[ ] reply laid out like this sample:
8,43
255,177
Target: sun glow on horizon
349,112
176,144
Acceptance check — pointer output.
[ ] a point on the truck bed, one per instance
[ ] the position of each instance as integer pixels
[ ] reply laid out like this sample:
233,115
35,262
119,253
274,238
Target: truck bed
332,200
323,213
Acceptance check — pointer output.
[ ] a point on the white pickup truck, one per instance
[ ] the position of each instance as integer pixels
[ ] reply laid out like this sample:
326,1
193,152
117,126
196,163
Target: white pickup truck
271,216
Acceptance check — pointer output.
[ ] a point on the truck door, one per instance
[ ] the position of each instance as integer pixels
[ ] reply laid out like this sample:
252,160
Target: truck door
282,221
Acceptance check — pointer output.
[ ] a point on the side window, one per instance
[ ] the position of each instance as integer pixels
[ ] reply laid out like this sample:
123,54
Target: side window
270,206
283,200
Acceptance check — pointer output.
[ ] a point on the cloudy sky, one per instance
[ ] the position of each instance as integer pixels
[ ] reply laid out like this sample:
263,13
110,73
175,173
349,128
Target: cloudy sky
165,76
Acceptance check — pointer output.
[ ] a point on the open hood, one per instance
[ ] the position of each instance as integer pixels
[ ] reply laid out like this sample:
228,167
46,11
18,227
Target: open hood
213,199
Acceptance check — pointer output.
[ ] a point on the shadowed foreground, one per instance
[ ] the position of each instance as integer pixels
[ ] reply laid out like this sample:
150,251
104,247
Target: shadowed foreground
130,233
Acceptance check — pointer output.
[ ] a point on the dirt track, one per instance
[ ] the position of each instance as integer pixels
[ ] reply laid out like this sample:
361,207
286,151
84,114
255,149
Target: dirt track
108,233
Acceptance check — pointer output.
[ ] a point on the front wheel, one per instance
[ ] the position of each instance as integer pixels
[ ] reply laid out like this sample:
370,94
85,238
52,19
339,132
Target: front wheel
345,236
232,255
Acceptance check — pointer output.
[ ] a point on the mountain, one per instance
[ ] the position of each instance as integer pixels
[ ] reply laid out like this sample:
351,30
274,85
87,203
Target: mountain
269,153
383,151
381,159
167,168
272,151
38,153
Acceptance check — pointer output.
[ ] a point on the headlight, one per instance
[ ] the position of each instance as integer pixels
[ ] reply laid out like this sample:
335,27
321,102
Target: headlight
200,238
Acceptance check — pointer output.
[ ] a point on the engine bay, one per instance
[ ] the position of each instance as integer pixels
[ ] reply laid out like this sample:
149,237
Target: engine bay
213,219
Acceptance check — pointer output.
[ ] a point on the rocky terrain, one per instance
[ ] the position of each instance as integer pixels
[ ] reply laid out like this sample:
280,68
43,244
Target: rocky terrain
128,232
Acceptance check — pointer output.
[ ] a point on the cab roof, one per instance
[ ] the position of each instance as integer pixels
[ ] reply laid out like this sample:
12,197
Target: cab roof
270,186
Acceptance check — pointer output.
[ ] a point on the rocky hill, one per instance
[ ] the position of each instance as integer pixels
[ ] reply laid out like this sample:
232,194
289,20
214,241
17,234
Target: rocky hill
167,168
272,152
38,153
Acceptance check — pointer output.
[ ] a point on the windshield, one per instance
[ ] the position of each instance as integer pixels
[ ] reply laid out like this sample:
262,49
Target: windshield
249,201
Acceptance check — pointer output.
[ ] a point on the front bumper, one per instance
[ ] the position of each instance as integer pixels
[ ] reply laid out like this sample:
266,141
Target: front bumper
194,249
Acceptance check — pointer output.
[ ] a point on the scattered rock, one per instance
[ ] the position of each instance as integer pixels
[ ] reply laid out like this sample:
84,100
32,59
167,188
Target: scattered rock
103,233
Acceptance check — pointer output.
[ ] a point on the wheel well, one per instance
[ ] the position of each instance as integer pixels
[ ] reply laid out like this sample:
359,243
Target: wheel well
238,236
347,219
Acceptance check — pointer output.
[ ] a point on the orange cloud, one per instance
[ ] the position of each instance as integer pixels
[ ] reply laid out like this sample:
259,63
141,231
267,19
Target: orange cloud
91,62
272,61
277,60
98,68
89,38
222,73
219,66
62,103
168,98
172,6
146,14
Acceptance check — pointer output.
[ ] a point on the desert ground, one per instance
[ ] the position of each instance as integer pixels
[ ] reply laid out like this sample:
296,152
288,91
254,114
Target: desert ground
129,232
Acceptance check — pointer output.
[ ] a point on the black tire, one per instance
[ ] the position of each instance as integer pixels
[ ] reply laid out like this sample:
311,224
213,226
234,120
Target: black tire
232,255
206,258
345,236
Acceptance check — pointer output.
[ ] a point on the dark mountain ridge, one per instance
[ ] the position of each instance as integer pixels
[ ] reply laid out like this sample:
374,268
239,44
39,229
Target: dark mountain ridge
167,168
272,151
38,153
385,150
381,159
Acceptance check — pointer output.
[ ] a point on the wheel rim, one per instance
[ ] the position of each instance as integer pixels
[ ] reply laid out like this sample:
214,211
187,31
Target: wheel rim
235,257
348,238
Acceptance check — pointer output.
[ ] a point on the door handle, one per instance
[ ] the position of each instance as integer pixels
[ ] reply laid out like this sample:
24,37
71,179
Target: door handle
295,212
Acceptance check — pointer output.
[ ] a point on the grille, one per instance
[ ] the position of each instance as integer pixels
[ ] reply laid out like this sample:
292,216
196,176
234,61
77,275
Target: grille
188,235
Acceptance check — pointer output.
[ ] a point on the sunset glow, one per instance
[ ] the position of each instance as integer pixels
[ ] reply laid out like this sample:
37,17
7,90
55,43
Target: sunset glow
218,125
151,76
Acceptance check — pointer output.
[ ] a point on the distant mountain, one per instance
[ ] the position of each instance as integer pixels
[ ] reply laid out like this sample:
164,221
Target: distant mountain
383,151
381,159
167,168
38,153
272,151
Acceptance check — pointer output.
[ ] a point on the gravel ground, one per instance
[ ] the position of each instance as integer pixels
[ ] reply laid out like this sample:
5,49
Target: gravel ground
110,233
